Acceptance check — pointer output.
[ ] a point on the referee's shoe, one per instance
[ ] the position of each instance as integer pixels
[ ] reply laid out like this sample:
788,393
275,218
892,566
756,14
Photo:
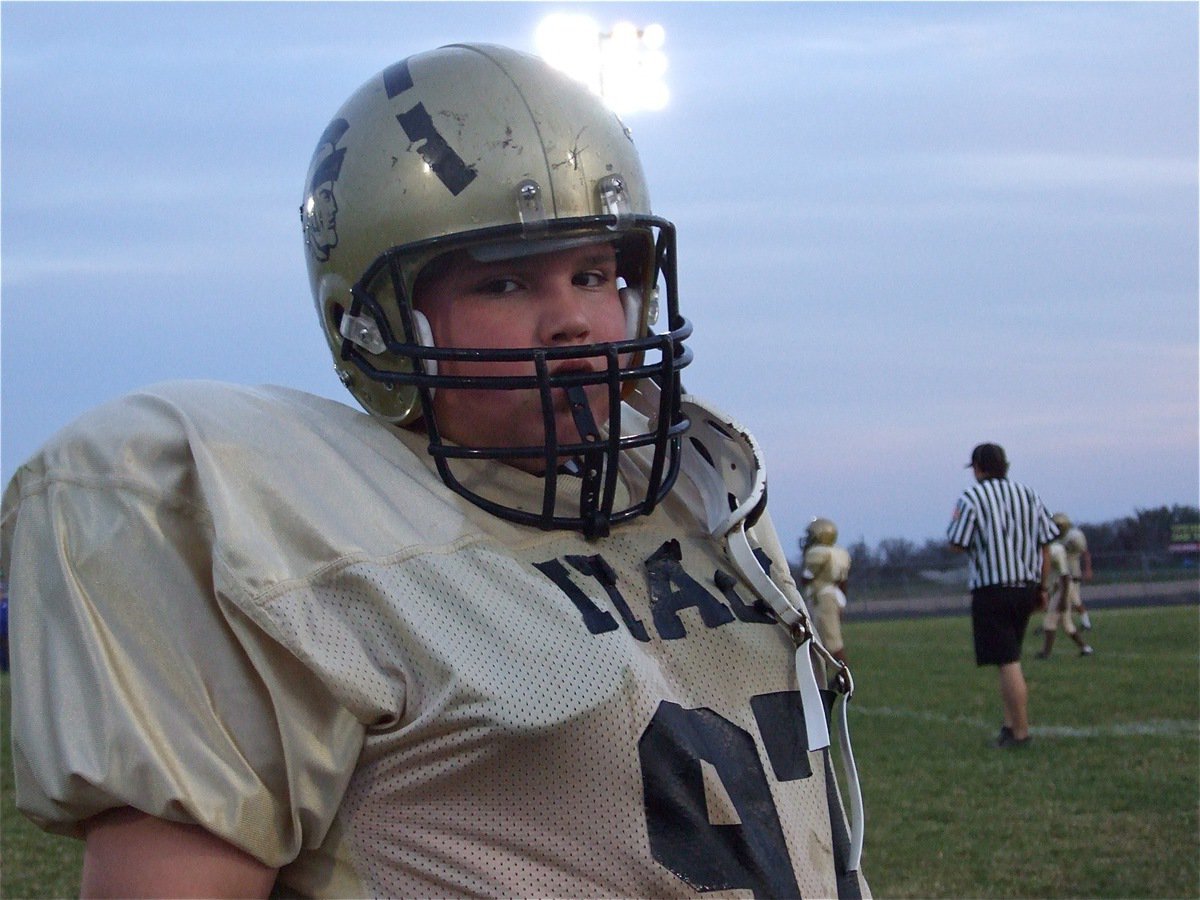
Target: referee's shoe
1006,740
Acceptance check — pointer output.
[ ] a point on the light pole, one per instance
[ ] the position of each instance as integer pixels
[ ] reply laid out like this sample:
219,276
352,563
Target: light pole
625,65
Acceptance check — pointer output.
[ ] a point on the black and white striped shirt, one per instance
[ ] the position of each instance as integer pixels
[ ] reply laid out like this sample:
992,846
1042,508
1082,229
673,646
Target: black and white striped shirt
1002,525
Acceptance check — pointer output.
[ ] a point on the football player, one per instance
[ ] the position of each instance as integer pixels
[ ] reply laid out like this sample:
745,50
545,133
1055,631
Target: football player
523,630
1057,584
826,569
1079,564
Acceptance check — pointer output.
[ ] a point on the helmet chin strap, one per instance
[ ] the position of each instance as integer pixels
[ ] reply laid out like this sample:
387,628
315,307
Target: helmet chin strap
592,463
631,303
724,461
424,337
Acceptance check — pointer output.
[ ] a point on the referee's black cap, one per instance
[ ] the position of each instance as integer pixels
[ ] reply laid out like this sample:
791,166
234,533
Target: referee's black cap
989,457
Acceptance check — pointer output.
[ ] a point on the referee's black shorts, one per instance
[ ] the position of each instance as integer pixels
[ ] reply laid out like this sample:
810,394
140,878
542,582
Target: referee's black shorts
999,616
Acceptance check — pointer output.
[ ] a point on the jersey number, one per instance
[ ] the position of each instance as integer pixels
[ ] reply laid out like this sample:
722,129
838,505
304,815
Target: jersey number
750,853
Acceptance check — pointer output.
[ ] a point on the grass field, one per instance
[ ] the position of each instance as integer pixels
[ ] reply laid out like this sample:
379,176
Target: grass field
1102,804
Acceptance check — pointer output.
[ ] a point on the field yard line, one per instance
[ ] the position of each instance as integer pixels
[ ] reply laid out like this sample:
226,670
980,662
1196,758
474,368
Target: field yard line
1149,727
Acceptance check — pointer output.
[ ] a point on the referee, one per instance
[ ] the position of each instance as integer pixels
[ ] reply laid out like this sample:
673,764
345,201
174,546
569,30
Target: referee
1005,530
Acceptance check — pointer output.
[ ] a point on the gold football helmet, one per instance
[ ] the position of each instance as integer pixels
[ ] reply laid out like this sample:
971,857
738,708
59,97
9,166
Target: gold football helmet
485,149
821,531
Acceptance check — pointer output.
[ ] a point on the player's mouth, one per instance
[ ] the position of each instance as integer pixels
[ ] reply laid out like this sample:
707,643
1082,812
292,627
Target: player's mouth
583,364
571,367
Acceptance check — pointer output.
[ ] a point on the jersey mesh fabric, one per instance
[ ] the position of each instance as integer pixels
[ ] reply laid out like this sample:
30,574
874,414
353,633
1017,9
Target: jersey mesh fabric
829,566
456,705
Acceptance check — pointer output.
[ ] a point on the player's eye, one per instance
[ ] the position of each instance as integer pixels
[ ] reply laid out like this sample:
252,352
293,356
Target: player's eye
499,286
593,278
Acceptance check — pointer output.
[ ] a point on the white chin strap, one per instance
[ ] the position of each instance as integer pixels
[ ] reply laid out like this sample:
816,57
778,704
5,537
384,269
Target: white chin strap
425,339
724,461
631,302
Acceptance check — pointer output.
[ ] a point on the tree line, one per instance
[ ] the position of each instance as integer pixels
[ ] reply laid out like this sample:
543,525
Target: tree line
1141,540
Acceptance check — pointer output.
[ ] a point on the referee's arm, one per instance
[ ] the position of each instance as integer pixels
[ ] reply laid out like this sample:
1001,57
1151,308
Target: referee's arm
961,527
1043,589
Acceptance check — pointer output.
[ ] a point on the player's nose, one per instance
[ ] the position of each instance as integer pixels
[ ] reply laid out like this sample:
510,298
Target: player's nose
563,313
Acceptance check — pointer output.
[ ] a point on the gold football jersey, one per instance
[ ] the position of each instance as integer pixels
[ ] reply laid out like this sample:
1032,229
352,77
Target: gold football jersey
262,612
1059,565
1075,543
829,567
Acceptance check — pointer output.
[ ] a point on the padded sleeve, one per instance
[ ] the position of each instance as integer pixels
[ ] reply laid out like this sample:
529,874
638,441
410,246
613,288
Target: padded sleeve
816,561
137,682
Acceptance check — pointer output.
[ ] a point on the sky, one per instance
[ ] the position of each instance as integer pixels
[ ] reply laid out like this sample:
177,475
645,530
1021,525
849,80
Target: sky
904,229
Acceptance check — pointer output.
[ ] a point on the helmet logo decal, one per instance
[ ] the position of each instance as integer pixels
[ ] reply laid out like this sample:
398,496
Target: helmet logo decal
447,165
320,206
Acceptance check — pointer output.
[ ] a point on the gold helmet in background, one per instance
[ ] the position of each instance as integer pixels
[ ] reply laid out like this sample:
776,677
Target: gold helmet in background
821,531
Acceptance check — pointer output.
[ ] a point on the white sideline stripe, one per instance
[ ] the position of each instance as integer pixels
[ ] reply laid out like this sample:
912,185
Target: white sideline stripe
1149,727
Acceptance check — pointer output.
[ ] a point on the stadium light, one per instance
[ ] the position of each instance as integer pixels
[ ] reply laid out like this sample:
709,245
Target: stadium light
625,66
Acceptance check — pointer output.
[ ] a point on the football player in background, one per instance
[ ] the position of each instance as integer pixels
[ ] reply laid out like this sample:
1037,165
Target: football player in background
826,569
1057,585
523,630
1079,564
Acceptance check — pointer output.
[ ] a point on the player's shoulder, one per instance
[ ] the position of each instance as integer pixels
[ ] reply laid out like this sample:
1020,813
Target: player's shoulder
216,406
170,410
817,553
1075,540
261,469
169,434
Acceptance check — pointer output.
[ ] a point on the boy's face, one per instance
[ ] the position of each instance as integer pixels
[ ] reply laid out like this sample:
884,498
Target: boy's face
559,299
